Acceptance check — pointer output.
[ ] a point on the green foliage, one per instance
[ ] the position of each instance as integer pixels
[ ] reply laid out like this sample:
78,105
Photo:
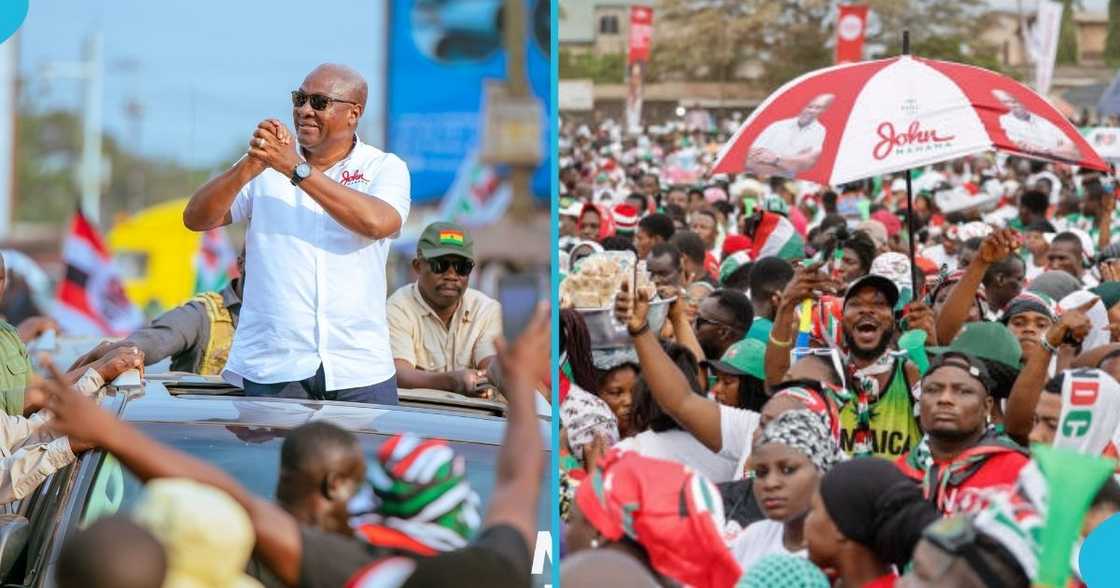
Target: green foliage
1067,41
48,159
602,69
709,41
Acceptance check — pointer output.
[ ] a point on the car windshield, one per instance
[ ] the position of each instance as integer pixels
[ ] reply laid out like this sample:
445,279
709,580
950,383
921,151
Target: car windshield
252,456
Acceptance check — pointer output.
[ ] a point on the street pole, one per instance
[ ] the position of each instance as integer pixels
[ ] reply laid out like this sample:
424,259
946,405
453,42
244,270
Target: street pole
91,131
517,84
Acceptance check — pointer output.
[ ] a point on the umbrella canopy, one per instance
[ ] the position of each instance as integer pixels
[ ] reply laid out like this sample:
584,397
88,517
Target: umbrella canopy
854,121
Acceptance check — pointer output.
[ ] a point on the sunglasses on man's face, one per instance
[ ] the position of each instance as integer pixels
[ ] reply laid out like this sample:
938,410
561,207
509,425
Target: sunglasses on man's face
439,265
318,101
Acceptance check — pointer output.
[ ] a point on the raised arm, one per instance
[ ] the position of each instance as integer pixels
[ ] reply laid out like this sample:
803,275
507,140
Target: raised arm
682,329
277,533
954,313
209,207
1018,417
669,387
521,458
807,282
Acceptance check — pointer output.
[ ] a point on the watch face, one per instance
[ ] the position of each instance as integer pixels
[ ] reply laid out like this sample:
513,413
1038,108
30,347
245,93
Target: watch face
303,170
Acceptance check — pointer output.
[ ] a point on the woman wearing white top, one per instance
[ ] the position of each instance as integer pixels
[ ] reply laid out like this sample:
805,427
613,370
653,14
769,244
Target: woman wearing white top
787,463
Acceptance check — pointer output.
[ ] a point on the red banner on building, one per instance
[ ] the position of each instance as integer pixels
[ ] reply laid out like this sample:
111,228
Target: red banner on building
850,26
641,33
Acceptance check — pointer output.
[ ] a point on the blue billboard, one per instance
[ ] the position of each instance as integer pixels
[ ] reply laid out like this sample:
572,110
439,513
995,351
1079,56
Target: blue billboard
439,53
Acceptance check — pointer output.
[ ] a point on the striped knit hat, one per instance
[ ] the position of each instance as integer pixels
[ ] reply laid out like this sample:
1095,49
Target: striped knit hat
625,218
424,495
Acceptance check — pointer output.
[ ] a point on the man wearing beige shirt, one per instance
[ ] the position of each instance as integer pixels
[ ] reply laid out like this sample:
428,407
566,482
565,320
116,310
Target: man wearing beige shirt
442,331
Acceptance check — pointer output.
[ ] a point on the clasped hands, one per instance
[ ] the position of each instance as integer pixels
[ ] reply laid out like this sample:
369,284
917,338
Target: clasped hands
271,146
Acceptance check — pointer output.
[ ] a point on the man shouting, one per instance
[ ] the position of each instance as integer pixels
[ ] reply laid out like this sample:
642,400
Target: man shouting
320,219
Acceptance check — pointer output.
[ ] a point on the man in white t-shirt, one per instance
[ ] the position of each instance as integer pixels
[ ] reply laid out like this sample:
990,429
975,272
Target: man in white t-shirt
320,220
791,145
1031,132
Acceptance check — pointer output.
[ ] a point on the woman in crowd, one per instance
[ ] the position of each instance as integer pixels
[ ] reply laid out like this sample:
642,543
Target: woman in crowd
786,464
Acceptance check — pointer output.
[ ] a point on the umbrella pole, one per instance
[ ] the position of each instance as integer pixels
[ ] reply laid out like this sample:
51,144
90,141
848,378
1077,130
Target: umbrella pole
910,197
910,234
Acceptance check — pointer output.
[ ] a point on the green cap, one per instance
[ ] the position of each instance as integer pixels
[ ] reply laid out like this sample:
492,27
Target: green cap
733,263
440,239
747,357
985,340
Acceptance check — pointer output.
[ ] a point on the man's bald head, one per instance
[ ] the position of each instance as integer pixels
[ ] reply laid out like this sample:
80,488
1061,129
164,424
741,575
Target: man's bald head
345,82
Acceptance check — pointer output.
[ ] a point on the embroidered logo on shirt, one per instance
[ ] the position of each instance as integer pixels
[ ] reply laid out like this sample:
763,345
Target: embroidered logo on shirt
356,177
451,238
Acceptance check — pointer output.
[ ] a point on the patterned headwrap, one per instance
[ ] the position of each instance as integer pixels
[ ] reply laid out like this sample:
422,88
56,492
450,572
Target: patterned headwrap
583,414
424,494
805,432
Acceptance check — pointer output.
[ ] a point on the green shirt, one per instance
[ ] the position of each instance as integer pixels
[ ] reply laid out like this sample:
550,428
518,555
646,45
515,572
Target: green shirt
894,429
15,372
760,329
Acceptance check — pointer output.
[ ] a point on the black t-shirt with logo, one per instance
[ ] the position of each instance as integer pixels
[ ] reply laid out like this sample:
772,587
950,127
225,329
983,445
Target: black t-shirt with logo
498,557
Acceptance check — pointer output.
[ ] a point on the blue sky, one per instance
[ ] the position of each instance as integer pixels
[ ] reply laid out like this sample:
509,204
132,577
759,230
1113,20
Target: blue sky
205,71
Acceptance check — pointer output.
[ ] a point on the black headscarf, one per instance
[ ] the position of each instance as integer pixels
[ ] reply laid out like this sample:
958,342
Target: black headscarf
873,503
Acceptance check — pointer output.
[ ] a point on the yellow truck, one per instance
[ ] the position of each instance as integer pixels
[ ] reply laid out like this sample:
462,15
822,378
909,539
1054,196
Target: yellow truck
156,256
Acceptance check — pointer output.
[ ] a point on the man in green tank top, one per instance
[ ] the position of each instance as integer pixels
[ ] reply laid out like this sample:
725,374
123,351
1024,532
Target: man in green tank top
877,417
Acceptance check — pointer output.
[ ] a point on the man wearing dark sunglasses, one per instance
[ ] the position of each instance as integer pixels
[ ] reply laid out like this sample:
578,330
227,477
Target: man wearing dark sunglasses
321,212
442,332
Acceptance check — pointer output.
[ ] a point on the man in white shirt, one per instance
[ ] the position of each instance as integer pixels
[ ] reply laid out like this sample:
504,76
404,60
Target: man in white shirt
321,218
790,145
1031,132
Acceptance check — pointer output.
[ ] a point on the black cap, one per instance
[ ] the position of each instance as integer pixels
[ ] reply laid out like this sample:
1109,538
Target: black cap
880,283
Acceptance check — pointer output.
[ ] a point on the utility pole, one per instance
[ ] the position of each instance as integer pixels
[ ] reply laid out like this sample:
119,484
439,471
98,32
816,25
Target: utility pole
517,85
90,72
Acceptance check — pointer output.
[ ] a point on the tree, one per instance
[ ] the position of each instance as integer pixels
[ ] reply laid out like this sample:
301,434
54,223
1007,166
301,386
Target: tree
1112,43
48,149
1067,39
710,40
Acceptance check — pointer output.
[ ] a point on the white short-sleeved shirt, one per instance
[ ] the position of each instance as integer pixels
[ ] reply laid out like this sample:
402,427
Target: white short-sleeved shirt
758,540
1033,131
315,290
786,138
683,448
737,427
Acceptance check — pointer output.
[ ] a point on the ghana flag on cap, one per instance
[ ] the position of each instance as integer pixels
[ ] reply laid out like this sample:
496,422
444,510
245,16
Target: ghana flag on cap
440,239
451,237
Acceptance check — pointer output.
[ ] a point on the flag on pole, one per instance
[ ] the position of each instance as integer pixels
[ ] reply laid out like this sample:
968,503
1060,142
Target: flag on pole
91,297
216,262
478,196
851,24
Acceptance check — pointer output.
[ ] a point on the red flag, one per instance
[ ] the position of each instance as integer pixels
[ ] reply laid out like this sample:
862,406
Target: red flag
641,33
850,26
91,299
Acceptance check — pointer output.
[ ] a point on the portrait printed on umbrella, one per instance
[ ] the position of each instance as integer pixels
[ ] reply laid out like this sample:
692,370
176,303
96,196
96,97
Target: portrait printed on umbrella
790,145
1031,132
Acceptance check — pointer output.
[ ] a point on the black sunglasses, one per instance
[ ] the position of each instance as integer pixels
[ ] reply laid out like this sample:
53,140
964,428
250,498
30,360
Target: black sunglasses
318,101
439,265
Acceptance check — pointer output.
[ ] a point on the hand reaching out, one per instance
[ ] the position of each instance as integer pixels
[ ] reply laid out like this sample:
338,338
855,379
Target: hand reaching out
998,245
